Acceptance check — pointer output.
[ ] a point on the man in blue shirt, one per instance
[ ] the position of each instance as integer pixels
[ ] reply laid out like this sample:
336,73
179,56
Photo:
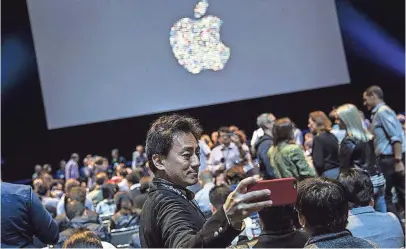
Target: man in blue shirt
23,216
389,143
364,222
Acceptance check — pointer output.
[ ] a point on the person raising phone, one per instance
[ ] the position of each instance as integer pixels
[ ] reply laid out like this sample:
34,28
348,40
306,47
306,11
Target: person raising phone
171,218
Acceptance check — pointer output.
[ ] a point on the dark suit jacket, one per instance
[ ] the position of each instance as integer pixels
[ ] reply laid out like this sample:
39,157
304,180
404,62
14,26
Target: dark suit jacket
172,220
23,216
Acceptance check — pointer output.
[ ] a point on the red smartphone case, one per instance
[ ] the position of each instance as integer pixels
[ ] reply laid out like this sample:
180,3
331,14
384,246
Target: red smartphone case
283,191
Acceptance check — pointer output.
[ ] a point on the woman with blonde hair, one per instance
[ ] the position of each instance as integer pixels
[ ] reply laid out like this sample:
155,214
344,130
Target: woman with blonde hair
325,145
356,151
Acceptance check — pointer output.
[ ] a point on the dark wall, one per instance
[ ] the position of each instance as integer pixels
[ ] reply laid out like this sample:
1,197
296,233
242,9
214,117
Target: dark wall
26,140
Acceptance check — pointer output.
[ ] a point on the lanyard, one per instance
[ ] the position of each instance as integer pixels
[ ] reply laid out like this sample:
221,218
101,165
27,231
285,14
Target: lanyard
178,192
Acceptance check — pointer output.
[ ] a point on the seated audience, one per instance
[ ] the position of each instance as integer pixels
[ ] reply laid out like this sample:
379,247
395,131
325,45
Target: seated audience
124,215
77,218
322,207
218,196
325,146
23,216
83,238
107,206
202,196
278,230
384,229
96,194
70,183
287,158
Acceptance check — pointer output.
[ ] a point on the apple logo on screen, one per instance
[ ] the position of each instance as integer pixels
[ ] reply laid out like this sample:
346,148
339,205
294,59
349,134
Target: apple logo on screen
196,42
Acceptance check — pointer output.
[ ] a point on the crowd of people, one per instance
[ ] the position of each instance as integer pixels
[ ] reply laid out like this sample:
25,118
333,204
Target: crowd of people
188,189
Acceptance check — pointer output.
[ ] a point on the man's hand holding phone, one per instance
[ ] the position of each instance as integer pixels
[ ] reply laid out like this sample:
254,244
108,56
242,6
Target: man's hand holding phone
240,204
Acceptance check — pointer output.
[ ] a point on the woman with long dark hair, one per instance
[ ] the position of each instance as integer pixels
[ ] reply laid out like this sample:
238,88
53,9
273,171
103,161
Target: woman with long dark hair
287,157
356,151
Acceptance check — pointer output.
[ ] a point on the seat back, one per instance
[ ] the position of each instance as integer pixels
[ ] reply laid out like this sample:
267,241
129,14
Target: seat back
122,237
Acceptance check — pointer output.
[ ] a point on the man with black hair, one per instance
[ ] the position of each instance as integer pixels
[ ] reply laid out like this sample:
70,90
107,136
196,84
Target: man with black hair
133,181
278,230
384,229
389,143
170,216
322,206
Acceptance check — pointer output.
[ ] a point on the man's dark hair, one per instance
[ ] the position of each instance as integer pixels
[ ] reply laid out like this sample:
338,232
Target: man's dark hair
374,90
108,191
282,131
101,178
218,195
83,238
277,218
133,178
164,129
358,186
324,205
224,129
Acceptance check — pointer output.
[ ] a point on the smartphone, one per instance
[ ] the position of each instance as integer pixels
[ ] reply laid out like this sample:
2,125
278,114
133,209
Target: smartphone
283,191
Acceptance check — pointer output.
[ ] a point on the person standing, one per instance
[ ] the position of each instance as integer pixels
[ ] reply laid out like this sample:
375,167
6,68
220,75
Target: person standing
72,167
286,157
325,145
356,151
389,143
170,217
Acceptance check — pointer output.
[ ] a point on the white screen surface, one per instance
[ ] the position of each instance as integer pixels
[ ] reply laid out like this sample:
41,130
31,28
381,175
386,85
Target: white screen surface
102,60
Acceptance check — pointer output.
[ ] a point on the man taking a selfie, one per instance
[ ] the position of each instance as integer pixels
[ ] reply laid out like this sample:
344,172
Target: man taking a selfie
171,218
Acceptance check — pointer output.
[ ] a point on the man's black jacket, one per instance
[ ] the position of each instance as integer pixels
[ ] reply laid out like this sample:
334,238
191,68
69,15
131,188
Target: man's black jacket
170,218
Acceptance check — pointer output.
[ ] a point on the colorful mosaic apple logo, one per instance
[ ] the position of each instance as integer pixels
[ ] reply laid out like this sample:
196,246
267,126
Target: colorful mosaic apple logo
196,42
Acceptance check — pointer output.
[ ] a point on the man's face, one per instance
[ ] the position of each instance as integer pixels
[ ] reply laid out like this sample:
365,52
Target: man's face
312,125
182,163
224,138
369,101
